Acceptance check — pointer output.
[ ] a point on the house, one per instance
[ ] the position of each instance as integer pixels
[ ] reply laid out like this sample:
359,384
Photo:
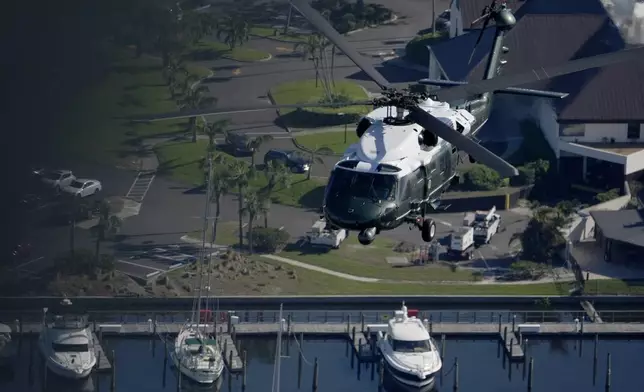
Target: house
620,234
597,131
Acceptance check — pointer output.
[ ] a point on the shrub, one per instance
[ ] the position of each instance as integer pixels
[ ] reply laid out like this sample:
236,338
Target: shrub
607,196
531,172
416,49
481,178
269,239
527,270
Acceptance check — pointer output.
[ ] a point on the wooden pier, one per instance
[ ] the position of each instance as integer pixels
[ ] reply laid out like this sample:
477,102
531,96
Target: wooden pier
103,363
233,361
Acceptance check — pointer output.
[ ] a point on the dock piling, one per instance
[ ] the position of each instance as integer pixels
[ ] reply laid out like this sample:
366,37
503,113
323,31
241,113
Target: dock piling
505,334
348,323
361,322
442,346
165,362
595,359
299,368
456,374
608,372
381,375
113,387
530,374
315,375
244,372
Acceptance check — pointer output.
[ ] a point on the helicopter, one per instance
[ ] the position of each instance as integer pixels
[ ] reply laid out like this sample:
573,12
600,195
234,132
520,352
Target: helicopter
408,148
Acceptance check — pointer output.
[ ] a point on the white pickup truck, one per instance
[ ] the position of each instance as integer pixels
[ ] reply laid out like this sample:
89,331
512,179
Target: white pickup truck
320,235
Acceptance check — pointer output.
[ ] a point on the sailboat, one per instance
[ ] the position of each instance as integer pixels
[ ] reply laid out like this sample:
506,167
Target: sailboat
196,353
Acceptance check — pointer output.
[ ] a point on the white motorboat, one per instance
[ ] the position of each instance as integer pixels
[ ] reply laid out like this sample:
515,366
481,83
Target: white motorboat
196,354
66,342
410,354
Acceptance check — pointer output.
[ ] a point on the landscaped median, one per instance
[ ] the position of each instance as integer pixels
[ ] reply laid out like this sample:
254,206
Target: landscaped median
182,160
211,50
307,91
276,34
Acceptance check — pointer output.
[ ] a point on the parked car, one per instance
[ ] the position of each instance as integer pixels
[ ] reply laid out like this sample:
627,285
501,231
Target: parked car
83,187
294,160
239,143
56,178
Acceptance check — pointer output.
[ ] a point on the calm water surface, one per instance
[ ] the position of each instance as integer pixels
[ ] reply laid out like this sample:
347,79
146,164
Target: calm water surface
559,366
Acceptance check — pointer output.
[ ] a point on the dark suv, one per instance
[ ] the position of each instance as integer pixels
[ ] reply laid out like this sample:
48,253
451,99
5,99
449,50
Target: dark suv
294,160
239,144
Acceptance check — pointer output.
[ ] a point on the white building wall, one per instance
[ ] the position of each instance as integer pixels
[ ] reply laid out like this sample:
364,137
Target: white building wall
603,133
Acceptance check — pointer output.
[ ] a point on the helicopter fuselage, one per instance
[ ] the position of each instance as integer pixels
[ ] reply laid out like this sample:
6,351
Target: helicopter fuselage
395,173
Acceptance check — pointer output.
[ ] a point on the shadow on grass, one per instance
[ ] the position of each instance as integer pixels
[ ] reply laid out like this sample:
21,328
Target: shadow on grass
313,199
306,249
206,54
300,118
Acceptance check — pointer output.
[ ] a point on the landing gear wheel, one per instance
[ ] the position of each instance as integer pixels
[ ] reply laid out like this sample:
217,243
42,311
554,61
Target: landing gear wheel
428,230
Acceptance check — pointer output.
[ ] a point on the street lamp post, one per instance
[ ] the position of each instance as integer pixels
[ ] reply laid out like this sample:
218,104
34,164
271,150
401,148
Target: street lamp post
345,128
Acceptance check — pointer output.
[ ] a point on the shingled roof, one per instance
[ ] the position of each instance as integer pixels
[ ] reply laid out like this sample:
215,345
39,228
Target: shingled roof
623,225
550,32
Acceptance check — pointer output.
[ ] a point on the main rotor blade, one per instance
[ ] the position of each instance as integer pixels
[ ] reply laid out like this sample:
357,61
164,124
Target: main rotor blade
462,142
501,82
240,109
328,31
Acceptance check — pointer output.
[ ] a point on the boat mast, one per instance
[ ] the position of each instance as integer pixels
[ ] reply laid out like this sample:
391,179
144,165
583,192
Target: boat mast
278,355
202,254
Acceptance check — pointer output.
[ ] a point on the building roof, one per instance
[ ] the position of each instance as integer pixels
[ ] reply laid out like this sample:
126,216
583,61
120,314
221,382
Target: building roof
551,32
623,225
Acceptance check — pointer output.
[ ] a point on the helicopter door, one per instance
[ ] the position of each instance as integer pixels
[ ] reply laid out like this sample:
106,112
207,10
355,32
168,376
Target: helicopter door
445,162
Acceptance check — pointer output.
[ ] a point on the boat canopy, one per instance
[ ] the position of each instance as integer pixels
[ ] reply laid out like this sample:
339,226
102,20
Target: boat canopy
196,342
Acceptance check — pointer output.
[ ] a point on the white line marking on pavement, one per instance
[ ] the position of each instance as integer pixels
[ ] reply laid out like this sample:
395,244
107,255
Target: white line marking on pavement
26,263
443,222
140,187
140,265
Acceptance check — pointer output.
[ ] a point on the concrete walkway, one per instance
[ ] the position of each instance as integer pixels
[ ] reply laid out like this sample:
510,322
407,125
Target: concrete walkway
310,267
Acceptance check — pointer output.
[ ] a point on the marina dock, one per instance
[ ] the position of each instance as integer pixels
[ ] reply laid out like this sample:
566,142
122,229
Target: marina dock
103,363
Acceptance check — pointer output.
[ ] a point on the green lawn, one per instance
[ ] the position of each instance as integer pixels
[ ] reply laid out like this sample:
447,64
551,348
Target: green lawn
334,140
315,283
305,91
213,49
95,130
269,32
181,161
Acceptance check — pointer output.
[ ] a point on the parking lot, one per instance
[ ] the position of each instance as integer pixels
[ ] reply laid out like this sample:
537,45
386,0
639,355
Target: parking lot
148,264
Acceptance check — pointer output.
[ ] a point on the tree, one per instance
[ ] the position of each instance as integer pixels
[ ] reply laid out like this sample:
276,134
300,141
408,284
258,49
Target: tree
194,98
543,236
233,30
607,196
220,182
310,50
107,226
255,143
240,175
174,68
254,206
212,130
277,175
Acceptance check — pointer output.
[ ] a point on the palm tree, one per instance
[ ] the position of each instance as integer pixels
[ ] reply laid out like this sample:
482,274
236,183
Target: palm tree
194,98
253,206
212,130
107,226
240,175
278,175
233,30
311,49
220,182
315,158
255,143
175,67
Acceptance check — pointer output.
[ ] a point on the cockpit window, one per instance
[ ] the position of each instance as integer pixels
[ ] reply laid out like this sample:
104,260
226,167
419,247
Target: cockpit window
346,183
412,346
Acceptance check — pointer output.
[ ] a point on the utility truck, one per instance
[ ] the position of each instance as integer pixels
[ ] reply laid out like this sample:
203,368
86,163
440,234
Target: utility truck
478,228
323,235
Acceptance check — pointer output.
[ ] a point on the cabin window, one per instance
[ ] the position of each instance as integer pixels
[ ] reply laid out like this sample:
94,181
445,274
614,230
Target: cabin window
412,346
633,131
407,185
70,348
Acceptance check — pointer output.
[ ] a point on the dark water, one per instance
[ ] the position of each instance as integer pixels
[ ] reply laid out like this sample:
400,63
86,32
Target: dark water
559,365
